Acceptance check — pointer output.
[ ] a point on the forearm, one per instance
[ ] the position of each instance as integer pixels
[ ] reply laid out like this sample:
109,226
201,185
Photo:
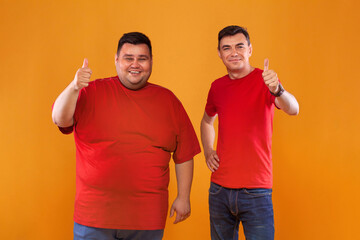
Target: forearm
184,176
288,103
65,104
64,107
207,136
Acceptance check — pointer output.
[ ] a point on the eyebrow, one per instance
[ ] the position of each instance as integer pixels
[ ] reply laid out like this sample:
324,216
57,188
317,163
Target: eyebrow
239,44
131,55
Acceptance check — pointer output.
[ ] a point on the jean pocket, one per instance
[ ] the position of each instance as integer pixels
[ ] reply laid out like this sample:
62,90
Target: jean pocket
258,192
214,188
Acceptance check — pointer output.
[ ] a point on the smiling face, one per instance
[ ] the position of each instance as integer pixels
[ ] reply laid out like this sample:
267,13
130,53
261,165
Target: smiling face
235,52
133,65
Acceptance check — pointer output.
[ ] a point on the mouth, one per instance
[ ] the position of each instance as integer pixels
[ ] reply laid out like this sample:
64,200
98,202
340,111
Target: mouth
134,72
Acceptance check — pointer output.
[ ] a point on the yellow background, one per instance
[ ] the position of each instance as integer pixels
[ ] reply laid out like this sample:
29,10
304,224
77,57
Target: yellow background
312,45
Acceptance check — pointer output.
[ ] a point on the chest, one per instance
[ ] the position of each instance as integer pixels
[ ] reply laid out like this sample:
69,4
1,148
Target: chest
244,97
124,118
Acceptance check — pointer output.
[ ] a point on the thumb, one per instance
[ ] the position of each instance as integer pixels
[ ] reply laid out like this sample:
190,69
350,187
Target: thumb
266,64
172,211
85,63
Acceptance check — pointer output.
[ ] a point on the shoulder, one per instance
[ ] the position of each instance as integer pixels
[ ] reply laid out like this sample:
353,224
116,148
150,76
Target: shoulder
161,91
165,96
220,81
254,77
103,81
257,72
99,84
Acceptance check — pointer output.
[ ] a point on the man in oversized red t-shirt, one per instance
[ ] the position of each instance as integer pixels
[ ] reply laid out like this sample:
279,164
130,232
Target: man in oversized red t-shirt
125,131
241,180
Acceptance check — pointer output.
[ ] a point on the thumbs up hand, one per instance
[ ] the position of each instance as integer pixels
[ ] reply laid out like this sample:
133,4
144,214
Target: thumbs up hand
270,78
82,76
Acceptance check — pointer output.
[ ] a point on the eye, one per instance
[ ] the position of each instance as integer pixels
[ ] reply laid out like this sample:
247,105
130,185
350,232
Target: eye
142,59
129,59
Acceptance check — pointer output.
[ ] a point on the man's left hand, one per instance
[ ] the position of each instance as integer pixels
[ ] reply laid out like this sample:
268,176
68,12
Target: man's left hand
182,209
270,78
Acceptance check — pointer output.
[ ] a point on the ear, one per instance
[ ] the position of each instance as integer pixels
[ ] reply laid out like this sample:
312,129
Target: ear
116,58
219,53
250,50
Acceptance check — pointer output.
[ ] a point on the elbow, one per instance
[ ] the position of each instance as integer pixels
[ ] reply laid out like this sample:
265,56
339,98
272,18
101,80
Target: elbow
296,108
53,116
295,111
56,120
61,122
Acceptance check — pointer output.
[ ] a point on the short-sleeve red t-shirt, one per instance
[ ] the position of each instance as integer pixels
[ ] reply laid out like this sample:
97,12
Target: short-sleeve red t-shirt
245,109
124,141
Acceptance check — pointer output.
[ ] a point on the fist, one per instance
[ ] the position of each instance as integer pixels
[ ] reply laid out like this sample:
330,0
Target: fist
82,76
270,78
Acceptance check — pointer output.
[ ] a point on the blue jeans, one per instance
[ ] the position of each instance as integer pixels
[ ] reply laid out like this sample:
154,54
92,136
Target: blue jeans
82,232
253,207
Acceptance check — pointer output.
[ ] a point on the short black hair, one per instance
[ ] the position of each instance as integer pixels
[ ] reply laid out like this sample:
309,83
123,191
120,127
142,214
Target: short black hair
134,38
231,31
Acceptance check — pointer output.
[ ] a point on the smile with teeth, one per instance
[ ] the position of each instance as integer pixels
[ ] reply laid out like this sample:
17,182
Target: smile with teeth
134,72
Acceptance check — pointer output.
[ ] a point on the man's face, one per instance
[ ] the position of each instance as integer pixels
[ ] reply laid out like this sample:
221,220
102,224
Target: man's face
235,52
133,65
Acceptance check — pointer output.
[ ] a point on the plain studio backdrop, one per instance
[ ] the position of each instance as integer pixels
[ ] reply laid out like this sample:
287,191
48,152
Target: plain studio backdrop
312,45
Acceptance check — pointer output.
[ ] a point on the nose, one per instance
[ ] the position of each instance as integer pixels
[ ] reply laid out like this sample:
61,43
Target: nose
234,52
135,64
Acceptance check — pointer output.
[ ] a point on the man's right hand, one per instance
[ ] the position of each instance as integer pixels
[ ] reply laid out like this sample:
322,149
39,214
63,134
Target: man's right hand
212,160
82,76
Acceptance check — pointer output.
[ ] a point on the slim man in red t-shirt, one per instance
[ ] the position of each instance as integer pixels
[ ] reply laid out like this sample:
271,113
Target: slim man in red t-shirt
125,131
241,180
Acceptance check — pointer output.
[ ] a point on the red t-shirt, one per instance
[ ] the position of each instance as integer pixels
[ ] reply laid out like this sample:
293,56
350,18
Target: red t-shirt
245,109
124,141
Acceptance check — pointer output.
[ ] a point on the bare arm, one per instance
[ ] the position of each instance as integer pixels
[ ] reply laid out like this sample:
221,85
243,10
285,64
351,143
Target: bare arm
65,104
181,205
208,139
286,101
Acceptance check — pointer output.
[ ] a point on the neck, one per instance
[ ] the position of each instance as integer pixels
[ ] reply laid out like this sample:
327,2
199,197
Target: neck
240,73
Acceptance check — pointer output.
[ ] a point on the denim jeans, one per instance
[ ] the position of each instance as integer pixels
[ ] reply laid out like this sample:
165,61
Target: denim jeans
253,207
82,232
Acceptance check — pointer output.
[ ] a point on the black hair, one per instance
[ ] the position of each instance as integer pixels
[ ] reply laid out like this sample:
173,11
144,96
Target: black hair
134,38
231,31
